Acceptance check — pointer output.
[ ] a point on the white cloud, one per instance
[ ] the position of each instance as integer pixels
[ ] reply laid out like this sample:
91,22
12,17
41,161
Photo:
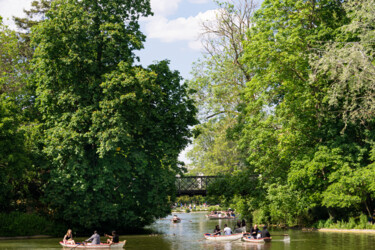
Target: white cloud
180,29
164,7
10,8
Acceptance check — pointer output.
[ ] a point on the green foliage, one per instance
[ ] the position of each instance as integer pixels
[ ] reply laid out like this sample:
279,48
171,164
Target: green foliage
111,131
14,158
305,116
360,222
219,80
23,224
216,208
185,199
260,216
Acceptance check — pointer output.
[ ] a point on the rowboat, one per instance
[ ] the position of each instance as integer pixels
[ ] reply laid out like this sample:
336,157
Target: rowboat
176,220
88,246
218,217
254,240
223,237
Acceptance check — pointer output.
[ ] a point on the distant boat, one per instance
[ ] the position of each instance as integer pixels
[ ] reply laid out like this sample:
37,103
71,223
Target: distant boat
254,240
223,237
176,220
89,246
219,217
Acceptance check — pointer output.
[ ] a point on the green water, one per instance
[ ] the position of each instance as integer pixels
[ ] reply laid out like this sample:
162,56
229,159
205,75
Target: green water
189,235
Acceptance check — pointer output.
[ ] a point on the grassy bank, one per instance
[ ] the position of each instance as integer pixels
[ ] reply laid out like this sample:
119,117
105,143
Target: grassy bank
25,224
360,222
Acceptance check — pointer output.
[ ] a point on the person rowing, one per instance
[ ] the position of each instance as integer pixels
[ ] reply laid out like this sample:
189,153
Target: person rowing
217,230
265,233
114,238
95,239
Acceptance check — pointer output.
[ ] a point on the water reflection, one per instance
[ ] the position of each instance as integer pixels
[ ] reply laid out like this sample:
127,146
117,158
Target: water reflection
188,234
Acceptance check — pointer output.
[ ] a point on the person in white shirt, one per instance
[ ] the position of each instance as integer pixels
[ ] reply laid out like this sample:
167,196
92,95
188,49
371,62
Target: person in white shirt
227,230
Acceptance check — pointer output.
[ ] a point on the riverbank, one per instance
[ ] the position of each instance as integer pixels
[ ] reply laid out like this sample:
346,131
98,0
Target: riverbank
334,230
26,237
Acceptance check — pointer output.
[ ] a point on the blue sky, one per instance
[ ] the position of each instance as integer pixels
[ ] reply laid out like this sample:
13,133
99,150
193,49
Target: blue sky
172,33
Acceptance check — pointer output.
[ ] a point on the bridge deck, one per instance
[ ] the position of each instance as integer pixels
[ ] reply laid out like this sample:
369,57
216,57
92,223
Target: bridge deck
193,185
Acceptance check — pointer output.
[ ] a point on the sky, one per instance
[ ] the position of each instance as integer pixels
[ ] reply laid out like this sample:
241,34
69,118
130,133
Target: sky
172,33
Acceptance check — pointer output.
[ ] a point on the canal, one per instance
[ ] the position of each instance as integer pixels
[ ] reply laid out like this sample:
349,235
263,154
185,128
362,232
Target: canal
189,235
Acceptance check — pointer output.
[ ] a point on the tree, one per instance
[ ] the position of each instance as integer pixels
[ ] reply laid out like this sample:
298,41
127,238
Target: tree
112,130
346,64
13,156
219,80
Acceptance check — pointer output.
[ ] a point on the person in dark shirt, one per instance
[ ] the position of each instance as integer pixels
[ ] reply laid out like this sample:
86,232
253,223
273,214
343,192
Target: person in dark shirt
265,232
217,230
254,231
68,237
114,238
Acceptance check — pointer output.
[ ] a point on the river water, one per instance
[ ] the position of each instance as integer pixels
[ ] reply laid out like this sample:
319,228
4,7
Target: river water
189,235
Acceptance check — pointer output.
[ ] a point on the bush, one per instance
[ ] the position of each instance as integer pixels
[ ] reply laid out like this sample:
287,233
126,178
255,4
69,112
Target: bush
260,216
215,208
23,224
328,223
187,210
353,223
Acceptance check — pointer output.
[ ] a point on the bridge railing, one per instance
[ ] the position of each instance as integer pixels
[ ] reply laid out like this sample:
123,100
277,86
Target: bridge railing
193,185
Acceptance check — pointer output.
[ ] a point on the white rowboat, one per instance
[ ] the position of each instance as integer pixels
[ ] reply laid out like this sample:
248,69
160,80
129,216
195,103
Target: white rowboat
254,240
89,246
223,237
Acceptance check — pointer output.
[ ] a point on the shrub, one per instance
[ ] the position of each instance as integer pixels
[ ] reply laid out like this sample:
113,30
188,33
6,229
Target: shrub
24,224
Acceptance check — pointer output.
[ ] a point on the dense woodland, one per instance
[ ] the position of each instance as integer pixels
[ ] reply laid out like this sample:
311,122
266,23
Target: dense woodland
285,98
89,139
286,93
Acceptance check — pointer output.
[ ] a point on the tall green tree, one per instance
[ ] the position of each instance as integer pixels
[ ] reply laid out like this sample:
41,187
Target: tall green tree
219,80
14,158
112,130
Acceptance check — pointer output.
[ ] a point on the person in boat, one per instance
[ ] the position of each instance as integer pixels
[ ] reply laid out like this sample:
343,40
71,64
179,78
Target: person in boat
68,237
265,233
95,238
227,230
243,223
239,224
254,231
114,238
175,218
217,230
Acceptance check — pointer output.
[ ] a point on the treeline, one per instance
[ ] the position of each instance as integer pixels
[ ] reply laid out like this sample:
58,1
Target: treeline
286,100
88,138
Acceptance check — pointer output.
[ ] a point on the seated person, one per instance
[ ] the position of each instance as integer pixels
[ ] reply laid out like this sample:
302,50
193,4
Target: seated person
254,231
265,233
114,238
217,230
95,238
227,230
68,237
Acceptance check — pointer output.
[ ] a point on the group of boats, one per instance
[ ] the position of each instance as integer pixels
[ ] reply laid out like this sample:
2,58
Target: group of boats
243,236
217,215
